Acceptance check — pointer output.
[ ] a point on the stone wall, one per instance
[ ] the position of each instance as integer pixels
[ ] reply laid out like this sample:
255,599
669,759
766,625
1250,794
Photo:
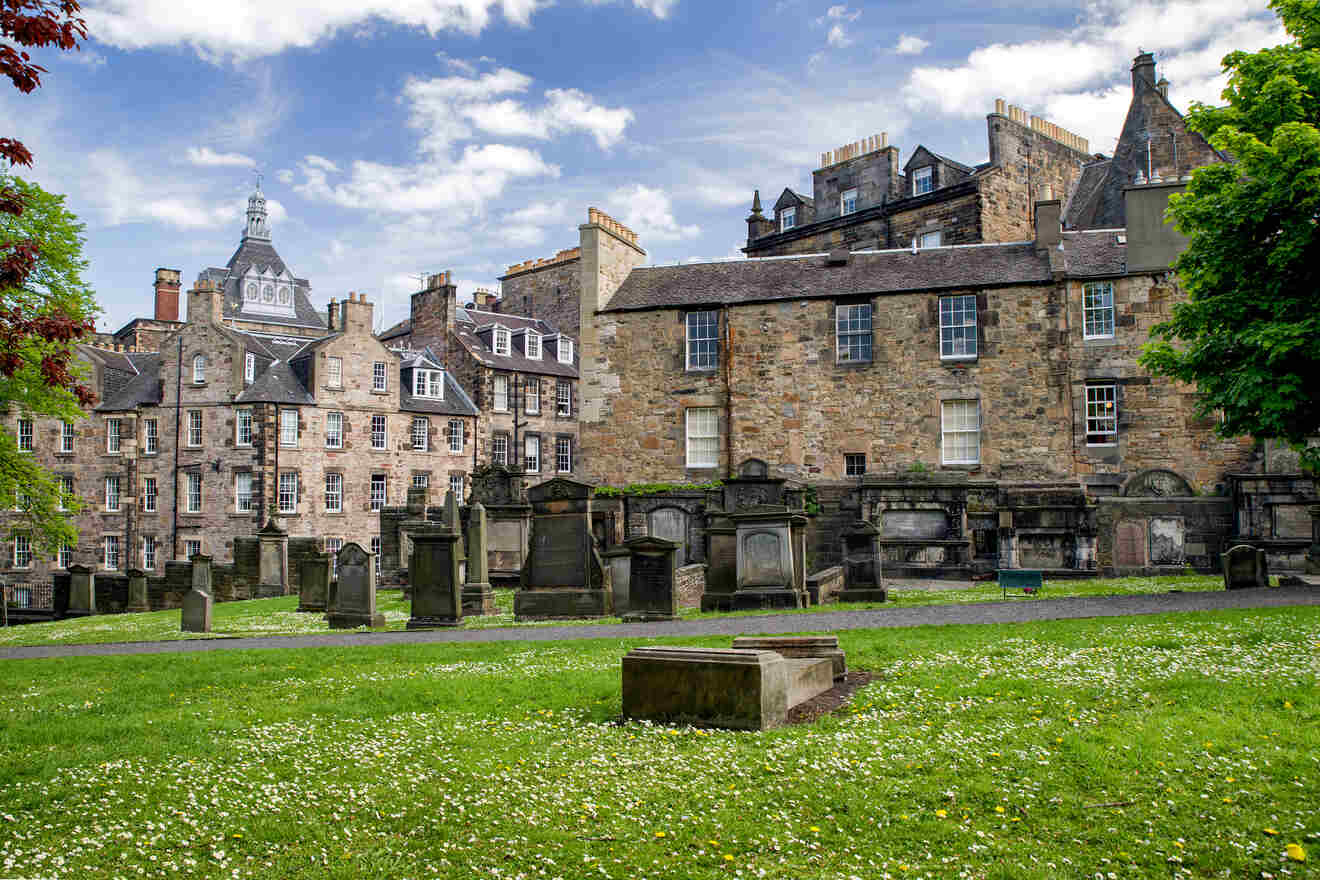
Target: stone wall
874,175
1026,162
546,289
957,219
825,585
1146,536
690,584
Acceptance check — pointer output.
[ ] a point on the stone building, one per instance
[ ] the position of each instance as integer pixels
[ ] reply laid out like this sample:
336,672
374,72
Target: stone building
521,371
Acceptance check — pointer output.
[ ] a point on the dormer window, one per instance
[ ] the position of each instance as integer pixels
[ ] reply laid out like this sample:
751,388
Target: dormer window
199,369
787,219
533,346
249,367
501,341
429,383
923,180
848,201
565,350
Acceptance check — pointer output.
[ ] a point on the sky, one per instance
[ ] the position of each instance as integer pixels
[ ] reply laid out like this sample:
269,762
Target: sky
397,138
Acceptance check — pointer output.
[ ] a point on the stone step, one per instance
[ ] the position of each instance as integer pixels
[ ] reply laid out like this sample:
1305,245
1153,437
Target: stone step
807,678
798,647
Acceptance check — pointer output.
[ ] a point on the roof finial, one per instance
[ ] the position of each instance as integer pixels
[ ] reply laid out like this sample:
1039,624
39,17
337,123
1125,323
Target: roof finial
756,203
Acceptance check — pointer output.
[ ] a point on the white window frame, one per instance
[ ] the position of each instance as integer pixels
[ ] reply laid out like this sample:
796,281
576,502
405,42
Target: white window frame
66,436
378,499
193,437
25,434
243,427
110,552
148,552
787,218
22,550
288,490
932,239
332,548
334,372
565,349
702,436
113,436
456,434
192,492
375,553
532,453
199,369
923,180
563,455
421,481
334,430
66,488
702,336
380,439
249,367
532,395
532,345
499,449
192,547
150,495
334,492
380,377
421,434
563,398
113,496
456,486
957,332
500,341
150,437
1098,320
1101,413
848,202
243,500
954,424
849,333
289,428
852,458
429,384
500,392
64,555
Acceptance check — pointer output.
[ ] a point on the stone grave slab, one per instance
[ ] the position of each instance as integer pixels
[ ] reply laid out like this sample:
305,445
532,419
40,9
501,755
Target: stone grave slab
799,647
563,575
862,574
808,678
722,565
198,603
433,573
273,561
1130,544
721,687
478,597
138,600
1245,567
355,600
767,570
314,574
82,591
1166,540
652,592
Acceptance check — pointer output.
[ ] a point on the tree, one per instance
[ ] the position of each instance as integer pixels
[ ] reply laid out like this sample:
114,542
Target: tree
1248,335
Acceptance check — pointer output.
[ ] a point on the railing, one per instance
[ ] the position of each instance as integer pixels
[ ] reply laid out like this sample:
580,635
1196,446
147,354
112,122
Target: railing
37,596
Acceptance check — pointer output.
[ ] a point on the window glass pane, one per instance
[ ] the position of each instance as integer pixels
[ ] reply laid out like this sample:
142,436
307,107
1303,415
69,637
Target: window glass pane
1101,415
1098,309
854,333
961,439
957,326
702,437
702,340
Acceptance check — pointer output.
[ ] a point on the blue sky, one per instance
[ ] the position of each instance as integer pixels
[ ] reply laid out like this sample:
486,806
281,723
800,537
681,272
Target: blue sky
405,136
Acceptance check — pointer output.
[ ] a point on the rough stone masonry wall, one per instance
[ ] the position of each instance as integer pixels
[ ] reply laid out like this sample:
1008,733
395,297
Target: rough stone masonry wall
549,293
864,235
1025,162
870,174
958,221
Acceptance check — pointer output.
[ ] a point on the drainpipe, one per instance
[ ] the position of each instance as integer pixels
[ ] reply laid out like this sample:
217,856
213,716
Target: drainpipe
178,413
728,390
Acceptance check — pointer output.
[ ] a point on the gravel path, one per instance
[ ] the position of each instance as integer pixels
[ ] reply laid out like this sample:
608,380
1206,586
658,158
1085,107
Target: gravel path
823,621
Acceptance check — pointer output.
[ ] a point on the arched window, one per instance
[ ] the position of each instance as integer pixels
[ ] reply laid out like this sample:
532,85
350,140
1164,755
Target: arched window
199,369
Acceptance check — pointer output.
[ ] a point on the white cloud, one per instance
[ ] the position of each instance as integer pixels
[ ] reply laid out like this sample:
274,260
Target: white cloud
241,29
658,8
910,45
843,13
284,175
209,158
837,37
649,213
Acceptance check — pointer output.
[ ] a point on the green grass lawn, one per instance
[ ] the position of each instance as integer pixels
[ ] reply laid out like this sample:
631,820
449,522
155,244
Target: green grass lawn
1153,747
265,617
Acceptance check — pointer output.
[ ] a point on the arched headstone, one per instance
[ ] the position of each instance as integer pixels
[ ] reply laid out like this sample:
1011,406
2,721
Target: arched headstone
1158,483
670,523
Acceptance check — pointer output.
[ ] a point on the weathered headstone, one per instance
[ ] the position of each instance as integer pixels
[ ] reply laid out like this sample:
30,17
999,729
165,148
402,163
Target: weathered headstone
1245,567
652,593
564,575
82,591
722,569
1130,544
273,566
314,582
619,560
478,597
198,602
509,519
1166,540
437,588
454,521
355,600
862,581
1313,555
138,600
767,571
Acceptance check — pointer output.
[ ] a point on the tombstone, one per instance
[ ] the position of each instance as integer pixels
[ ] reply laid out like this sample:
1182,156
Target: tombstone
619,560
82,591
437,587
799,647
863,579
138,600
273,564
509,521
1244,568
418,498
670,523
1166,540
652,593
198,602
564,575
314,583
478,597
354,603
1130,544
1313,555
767,571
453,519
722,567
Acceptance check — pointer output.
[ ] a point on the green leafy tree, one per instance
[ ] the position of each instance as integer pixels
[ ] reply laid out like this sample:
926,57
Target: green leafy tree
1248,336
40,322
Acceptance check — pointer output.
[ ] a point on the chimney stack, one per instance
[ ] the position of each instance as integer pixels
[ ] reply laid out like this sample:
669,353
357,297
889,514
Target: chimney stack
1049,225
1163,86
205,303
1143,68
355,314
167,294
331,314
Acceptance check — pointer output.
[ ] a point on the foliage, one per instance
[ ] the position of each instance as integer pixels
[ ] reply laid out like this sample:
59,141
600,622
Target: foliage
40,321
811,501
1249,334
918,467
34,24
639,489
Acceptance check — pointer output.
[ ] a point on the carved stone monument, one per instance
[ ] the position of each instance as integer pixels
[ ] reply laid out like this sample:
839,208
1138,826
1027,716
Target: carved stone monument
564,575
767,571
273,561
478,597
1244,568
355,599
437,588
138,600
82,591
862,575
198,602
722,568
314,578
509,519
652,592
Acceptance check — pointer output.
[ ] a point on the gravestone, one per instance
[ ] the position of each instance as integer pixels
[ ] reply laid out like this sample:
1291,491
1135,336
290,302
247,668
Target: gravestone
563,575
138,600
509,519
669,523
1313,555
418,498
652,593
314,587
1166,540
82,591
619,560
453,520
478,597
767,571
1130,544
355,600
1244,568
862,575
273,561
437,588
198,602
915,524
799,647
722,567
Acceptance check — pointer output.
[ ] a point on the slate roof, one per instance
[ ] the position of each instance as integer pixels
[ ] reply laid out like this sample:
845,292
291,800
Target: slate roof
128,380
811,277
456,402
1095,253
262,254
474,329
277,384
1079,213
